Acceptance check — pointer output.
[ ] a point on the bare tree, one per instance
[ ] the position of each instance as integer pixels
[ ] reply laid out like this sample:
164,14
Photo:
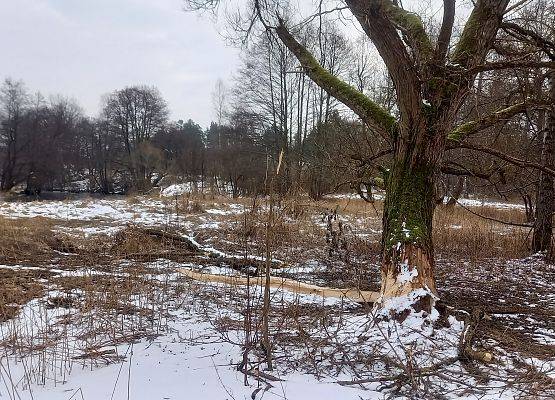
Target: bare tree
219,101
545,205
135,114
13,102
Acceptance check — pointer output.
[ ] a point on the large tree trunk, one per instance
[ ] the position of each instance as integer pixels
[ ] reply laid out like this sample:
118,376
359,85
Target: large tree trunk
408,254
543,225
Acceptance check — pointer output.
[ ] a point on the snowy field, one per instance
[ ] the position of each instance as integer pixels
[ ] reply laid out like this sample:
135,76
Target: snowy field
158,335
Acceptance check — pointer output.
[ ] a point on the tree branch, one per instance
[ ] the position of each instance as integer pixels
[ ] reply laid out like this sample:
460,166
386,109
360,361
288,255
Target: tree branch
411,25
378,119
502,156
446,31
378,26
511,65
472,127
494,219
370,160
479,33
460,172
543,43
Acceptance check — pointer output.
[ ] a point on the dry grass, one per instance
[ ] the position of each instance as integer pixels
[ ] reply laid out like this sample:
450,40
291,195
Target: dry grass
115,296
23,240
458,233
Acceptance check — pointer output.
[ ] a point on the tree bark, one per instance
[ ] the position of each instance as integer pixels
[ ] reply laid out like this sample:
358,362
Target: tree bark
457,191
543,225
407,248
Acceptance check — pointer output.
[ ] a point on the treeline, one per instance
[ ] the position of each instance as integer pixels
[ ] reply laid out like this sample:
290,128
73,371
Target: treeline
270,108
132,146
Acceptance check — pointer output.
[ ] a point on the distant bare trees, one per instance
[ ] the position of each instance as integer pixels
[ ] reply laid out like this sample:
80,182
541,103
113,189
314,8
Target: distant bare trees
41,141
135,115
13,102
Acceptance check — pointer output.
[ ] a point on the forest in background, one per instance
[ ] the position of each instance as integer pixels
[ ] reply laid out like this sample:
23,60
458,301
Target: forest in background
271,106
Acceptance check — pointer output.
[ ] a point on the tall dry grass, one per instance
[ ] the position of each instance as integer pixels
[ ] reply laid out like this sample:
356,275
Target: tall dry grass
460,234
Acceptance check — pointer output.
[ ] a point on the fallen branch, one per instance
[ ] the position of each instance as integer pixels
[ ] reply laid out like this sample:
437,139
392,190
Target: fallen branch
465,349
359,296
260,375
424,371
236,262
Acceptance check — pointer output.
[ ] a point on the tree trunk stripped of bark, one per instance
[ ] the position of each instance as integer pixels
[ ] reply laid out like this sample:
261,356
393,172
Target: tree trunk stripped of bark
543,225
408,259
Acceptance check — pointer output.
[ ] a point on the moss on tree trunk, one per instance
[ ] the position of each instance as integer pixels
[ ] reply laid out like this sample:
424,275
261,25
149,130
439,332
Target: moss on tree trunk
408,255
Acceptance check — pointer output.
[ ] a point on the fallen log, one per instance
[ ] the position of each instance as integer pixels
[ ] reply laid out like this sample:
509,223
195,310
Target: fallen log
185,241
239,263
291,285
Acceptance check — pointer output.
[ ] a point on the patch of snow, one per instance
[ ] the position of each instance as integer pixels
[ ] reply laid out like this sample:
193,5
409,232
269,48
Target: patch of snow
217,211
406,274
493,204
176,190
397,305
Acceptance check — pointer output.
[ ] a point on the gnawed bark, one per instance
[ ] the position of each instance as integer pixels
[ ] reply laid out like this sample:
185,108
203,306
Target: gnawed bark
408,256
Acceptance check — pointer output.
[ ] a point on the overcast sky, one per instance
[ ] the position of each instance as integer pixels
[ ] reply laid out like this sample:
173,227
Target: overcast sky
86,48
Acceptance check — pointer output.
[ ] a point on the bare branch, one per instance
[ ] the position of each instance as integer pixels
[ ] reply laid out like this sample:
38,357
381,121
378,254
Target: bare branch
444,37
546,45
472,127
511,65
460,172
502,156
371,113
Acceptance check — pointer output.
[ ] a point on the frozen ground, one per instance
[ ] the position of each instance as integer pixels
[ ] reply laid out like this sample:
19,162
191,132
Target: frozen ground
199,339
189,361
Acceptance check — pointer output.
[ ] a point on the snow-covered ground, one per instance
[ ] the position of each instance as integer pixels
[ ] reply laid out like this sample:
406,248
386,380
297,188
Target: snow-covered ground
190,361
190,356
94,216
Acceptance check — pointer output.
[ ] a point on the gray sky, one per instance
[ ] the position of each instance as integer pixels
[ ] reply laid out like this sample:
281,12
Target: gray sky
86,48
